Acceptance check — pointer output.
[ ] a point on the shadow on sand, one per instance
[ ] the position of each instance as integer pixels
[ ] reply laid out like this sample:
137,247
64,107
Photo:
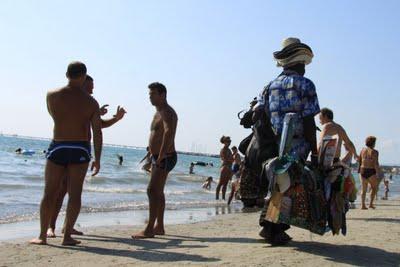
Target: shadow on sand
349,254
388,220
153,250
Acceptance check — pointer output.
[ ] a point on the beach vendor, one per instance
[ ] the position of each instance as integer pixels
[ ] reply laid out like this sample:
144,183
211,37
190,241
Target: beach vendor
292,93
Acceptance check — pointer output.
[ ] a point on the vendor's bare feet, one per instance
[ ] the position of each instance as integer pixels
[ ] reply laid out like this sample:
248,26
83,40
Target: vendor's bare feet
38,241
372,207
69,241
143,235
159,230
51,233
74,232
364,208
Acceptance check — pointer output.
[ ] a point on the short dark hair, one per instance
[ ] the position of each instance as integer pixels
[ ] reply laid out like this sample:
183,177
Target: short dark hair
326,112
234,148
89,78
223,138
370,141
161,89
76,69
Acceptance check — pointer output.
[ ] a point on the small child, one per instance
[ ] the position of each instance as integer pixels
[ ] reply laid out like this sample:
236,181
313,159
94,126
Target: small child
207,183
235,185
386,183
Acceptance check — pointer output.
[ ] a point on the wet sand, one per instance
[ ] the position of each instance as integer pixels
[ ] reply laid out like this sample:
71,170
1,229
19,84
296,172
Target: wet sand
373,240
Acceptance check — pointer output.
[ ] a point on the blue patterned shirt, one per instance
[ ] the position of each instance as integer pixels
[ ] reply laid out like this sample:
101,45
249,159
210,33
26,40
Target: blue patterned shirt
290,93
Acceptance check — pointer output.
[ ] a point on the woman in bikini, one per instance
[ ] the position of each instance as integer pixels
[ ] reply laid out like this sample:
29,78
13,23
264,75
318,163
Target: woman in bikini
226,167
369,169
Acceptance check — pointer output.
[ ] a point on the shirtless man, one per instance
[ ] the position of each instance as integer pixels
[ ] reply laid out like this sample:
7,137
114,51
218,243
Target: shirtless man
226,168
88,87
164,158
73,112
331,128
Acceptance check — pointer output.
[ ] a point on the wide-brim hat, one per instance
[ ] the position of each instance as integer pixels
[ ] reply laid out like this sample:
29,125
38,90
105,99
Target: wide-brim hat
293,52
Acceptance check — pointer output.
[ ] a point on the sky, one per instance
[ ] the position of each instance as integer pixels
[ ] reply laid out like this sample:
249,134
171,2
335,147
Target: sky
213,56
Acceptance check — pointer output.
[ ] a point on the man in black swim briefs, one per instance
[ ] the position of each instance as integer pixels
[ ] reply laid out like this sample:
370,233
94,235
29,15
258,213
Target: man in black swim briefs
74,112
164,158
84,150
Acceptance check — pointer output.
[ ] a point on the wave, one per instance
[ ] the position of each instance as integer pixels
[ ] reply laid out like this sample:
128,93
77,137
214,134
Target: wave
112,190
118,207
119,190
18,186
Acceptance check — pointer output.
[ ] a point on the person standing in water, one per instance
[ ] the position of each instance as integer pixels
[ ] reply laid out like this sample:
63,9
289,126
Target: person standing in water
164,158
237,161
191,168
120,159
226,167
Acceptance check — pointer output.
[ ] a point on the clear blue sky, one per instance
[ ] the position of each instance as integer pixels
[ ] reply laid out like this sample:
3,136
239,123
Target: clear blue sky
213,56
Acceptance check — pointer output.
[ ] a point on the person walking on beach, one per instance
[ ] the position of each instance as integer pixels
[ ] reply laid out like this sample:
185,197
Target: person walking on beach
226,167
164,158
290,92
369,170
87,87
73,112
331,128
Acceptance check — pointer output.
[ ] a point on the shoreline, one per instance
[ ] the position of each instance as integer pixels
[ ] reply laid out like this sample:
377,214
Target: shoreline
232,239
10,232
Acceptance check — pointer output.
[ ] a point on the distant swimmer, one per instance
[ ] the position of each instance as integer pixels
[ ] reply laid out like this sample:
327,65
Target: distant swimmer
164,158
191,168
87,88
120,158
147,159
198,163
73,112
207,183
25,152
202,163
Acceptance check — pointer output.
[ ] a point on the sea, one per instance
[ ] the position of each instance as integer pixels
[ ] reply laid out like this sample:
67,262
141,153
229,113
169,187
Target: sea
117,195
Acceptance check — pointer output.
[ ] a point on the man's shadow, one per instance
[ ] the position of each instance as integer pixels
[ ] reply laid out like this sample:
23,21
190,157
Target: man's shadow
141,249
349,254
154,250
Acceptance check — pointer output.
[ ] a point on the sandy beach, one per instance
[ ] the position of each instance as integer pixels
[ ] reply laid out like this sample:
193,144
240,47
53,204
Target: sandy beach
231,240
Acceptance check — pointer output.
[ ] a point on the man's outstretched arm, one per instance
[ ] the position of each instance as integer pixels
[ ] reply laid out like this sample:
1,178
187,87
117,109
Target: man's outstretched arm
117,117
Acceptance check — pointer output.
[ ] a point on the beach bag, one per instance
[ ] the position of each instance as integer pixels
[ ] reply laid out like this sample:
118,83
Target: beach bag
353,194
303,205
244,144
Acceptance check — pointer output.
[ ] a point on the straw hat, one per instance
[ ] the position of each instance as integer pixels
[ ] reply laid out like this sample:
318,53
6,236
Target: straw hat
293,52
